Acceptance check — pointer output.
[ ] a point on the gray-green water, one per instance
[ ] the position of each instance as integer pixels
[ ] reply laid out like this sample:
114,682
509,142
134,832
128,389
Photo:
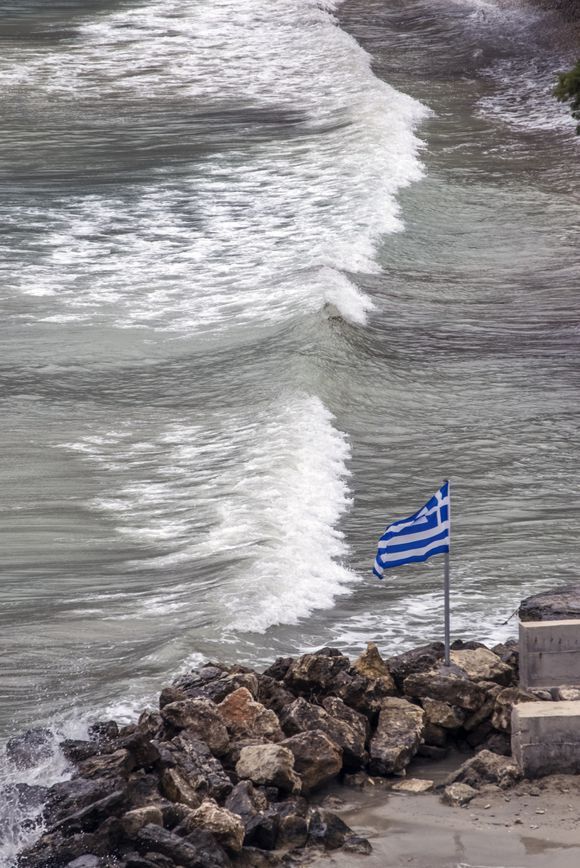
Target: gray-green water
258,299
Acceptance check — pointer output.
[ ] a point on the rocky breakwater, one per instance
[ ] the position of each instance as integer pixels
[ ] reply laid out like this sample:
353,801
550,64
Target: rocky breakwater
226,770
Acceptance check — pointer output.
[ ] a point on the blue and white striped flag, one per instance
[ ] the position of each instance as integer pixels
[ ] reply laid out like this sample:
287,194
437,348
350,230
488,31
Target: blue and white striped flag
414,539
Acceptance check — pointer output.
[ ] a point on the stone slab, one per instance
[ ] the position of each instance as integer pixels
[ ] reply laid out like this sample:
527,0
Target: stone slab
546,738
550,653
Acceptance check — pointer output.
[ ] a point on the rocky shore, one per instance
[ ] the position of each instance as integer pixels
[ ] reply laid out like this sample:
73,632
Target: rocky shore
229,769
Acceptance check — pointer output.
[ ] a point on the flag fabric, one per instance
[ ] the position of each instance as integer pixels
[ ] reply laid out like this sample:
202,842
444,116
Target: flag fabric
414,539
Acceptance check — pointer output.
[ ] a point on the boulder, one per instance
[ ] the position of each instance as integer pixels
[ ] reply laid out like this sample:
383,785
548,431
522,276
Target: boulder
279,668
76,750
133,821
371,665
246,718
268,765
454,689
317,759
457,795
204,772
303,716
246,801
262,830
292,823
326,829
103,731
315,673
398,735
120,763
561,604
497,742
199,848
30,748
412,662
69,797
341,711
273,695
201,718
509,652
435,735
364,695
481,664
504,702
90,817
486,768
226,827
443,715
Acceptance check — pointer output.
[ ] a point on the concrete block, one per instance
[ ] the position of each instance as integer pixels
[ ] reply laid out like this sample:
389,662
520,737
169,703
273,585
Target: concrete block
546,738
550,653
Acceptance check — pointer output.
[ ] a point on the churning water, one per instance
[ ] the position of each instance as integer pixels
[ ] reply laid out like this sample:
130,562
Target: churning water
270,273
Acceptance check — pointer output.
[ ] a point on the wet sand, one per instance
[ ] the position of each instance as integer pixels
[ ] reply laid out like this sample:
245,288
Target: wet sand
531,826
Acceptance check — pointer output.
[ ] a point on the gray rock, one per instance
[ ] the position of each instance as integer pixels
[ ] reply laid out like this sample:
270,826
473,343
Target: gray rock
486,768
398,735
326,829
454,689
412,662
504,702
457,795
560,604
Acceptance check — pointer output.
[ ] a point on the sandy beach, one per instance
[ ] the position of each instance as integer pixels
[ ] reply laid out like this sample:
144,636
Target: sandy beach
530,826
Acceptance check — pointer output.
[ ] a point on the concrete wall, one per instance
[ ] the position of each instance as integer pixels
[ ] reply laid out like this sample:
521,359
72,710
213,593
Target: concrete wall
549,653
546,738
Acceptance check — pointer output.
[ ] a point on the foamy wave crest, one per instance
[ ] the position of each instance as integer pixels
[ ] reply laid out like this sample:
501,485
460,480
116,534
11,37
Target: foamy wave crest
255,500
288,154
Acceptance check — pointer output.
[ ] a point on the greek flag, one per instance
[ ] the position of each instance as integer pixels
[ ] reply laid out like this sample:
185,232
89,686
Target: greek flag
414,539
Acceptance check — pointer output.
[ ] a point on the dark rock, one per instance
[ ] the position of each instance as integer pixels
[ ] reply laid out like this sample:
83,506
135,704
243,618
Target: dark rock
171,694
90,817
315,673
273,695
103,731
142,749
358,722
429,751
204,772
201,718
69,797
418,660
150,723
561,604
317,759
303,716
486,768
252,857
398,735
279,668
293,825
480,734
452,689
198,850
435,735
262,830
509,652
26,797
246,801
76,750
54,849
327,830
118,764
499,743
357,844
30,748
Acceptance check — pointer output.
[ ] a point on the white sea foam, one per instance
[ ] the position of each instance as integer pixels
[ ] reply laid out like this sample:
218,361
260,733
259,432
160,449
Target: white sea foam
260,494
260,231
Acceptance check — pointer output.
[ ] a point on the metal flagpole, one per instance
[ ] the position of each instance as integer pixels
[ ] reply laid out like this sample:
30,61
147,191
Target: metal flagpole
446,587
